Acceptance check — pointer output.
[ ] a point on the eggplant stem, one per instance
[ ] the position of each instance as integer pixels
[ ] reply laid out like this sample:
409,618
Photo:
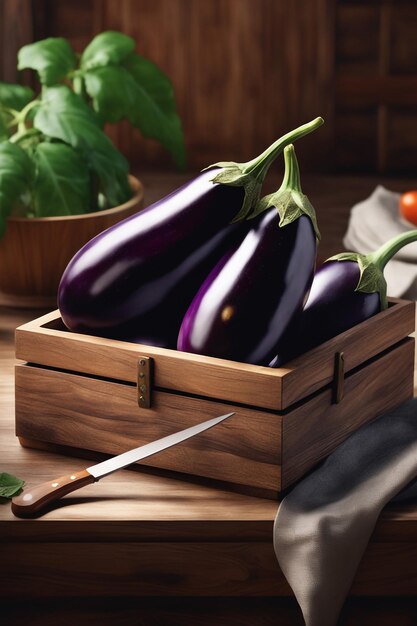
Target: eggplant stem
385,253
291,178
259,166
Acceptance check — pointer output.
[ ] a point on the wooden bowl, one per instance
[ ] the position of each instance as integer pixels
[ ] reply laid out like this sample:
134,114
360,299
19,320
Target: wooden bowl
35,251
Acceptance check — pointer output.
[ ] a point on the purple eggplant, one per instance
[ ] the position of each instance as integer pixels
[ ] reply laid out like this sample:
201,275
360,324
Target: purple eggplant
247,301
137,278
347,289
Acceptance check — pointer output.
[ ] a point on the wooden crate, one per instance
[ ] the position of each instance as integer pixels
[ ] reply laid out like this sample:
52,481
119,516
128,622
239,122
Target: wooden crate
86,392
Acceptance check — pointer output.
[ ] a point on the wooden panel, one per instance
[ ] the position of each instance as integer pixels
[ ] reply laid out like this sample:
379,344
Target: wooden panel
387,570
403,39
141,569
39,342
97,415
235,611
353,121
331,58
315,429
375,66
313,370
377,90
402,145
203,46
357,38
16,30
190,373
241,77
203,569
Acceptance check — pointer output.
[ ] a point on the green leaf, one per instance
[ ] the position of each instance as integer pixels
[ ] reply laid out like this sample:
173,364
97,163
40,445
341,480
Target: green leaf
11,97
10,485
64,116
289,200
61,185
371,277
16,174
233,174
154,110
52,58
108,47
15,96
113,91
290,204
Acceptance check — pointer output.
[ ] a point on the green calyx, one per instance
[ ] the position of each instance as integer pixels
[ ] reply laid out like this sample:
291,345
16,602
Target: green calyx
371,266
371,277
251,175
290,202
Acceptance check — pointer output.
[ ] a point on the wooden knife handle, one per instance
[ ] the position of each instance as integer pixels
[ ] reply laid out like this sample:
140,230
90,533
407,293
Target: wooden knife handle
32,500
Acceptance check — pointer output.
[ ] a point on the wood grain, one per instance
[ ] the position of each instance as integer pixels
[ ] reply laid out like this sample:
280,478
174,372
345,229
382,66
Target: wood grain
311,371
204,569
316,428
34,252
78,411
46,341
282,80
143,569
17,28
34,500
246,611
253,448
352,62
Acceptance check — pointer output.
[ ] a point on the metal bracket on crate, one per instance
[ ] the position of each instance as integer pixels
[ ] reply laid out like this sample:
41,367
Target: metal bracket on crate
145,375
338,378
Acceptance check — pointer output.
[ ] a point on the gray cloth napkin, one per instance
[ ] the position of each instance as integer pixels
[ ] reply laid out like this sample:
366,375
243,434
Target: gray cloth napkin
323,526
372,222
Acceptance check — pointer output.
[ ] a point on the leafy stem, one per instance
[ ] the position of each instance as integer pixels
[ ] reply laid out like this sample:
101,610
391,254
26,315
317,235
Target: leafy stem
385,253
251,175
19,117
289,200
13,114
25,133
260,165
371,266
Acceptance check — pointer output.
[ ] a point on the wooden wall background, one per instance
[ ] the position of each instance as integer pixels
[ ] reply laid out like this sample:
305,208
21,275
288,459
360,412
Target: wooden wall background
245,71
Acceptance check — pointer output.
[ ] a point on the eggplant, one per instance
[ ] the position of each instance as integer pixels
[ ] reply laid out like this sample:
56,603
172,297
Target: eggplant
247,301
347,289
138,277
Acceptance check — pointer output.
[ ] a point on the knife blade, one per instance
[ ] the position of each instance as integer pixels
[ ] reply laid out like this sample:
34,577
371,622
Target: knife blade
32,501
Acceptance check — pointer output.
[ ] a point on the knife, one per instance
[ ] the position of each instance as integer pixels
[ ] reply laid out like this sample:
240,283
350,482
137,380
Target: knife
31,501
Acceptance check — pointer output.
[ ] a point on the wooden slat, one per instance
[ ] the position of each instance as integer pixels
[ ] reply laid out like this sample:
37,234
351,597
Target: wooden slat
313,370
390,90
203,48
189,373
38,342
103,416
316,428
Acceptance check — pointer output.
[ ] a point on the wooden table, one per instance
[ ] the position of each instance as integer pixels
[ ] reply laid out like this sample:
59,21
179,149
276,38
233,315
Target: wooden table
120,545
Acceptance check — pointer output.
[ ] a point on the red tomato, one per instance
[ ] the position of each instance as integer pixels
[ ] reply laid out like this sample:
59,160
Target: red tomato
408,206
